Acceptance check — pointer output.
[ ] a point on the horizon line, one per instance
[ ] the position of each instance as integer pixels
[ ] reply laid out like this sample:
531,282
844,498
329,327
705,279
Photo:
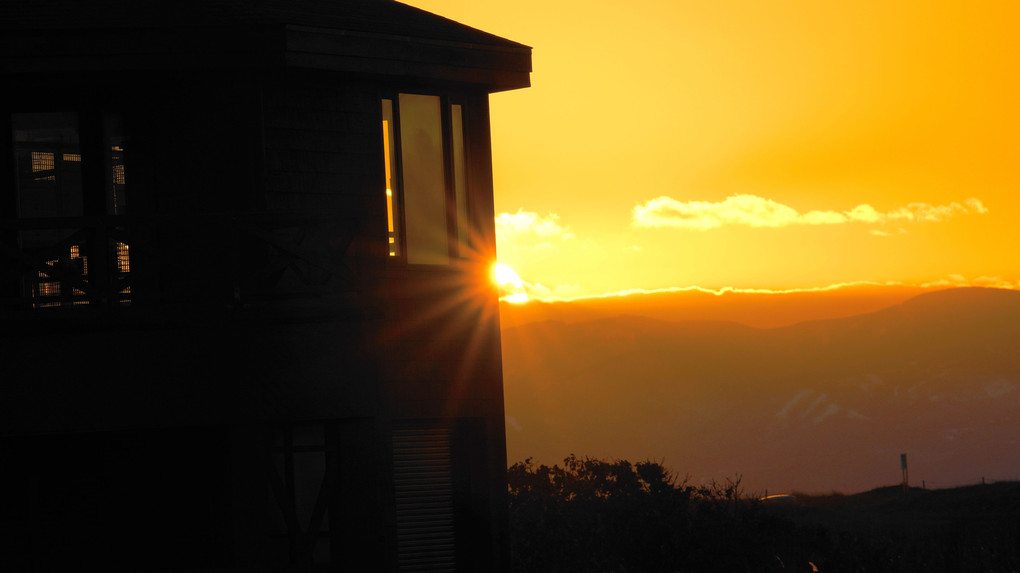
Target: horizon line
982,282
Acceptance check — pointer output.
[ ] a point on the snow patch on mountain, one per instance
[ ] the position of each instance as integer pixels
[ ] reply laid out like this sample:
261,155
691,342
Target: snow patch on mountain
815,408
999,388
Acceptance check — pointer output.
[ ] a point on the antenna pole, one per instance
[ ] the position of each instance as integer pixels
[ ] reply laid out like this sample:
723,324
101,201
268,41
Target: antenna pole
906,475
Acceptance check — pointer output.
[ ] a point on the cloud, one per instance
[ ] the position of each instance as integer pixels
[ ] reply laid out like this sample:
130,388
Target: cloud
923,212
958,280
559,292
754,211
881,233
529,229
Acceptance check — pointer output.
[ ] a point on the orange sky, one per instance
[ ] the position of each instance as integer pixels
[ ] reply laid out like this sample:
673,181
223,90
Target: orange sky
670,143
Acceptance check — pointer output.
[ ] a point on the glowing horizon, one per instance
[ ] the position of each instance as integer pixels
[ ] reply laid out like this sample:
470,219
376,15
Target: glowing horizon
950,282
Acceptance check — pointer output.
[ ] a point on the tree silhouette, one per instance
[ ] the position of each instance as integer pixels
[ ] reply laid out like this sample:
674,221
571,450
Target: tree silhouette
598,515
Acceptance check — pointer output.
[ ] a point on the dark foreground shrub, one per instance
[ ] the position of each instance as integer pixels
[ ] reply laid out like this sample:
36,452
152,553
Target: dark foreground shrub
613,516
599,516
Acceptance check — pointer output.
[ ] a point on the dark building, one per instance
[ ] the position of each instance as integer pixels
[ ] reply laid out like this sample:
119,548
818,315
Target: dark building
247,320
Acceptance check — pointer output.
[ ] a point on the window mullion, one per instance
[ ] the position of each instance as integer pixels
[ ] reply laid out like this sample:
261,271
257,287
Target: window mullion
458,160
93,155
93,189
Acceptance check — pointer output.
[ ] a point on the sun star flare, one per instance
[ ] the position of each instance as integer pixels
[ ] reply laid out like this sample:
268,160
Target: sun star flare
511,287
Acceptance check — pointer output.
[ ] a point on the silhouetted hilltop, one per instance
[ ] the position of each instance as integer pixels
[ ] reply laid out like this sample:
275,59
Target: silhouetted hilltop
611,515
819,405
935,506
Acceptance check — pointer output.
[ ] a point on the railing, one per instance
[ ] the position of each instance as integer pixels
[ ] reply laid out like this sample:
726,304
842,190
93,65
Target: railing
116,261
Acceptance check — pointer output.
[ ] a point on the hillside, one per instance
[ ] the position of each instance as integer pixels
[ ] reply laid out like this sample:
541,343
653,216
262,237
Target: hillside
895,509
972,528
815,406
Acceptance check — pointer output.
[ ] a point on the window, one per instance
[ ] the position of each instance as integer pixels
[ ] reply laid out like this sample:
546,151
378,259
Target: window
69,165
303,477
426,178
47,153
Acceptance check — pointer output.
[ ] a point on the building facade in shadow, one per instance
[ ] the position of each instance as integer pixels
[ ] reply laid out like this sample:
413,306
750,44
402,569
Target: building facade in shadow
247,315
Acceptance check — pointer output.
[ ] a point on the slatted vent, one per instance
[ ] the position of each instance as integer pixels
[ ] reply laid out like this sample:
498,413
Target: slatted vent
424,499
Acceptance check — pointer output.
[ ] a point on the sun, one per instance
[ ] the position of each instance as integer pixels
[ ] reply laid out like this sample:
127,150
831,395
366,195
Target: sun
505,275
511,287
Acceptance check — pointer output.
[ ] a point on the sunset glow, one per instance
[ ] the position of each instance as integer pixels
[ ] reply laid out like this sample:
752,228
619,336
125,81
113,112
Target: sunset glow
738,227
511,288
755,145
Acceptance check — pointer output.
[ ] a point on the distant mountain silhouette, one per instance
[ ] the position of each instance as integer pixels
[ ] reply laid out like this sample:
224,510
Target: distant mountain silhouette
819,405
759,309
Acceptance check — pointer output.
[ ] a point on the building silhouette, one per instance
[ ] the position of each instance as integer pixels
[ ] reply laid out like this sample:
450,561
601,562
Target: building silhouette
247,319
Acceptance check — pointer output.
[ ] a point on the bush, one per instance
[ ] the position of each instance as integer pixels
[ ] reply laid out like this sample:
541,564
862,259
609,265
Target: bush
614,516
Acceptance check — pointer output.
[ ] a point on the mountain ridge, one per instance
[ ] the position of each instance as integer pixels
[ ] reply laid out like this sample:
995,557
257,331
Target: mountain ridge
761,309
939,376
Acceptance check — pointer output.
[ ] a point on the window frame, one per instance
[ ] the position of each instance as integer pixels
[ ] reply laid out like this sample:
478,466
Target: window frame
96,127
458,206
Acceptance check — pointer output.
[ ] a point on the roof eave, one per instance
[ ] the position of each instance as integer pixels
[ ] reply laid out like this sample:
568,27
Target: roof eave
495,67
490,67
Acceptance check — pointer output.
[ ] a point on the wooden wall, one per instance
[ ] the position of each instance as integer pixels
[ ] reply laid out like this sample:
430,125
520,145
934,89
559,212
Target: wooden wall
197,349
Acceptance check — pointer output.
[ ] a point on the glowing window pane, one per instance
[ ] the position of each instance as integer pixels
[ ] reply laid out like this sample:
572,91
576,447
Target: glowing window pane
424,179
389,155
